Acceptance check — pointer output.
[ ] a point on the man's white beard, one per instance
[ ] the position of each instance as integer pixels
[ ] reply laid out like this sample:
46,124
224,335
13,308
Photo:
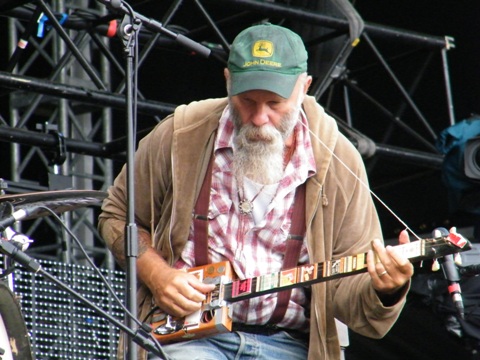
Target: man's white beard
259,151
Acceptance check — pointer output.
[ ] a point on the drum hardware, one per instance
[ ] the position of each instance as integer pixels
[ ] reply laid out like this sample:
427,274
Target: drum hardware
58,201
14,337
34,205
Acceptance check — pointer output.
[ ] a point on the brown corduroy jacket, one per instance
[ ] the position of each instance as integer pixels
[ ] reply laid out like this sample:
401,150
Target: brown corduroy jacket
341,219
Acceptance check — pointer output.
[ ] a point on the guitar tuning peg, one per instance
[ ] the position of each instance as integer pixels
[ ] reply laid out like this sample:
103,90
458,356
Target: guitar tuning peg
458,259
435,265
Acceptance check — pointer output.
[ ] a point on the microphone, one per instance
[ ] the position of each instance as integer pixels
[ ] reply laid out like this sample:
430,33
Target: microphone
451,274
20,240
9,249
17,216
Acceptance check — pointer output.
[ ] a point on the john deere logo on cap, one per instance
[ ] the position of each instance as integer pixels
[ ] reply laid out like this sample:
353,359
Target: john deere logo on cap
262,48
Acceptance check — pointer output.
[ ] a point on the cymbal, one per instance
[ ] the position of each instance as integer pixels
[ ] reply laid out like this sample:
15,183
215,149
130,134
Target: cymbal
58,201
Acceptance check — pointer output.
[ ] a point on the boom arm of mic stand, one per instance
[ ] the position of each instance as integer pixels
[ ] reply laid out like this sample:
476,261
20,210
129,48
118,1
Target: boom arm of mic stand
157,27
140,336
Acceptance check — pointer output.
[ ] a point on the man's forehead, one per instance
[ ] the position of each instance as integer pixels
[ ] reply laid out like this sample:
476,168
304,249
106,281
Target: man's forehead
261,95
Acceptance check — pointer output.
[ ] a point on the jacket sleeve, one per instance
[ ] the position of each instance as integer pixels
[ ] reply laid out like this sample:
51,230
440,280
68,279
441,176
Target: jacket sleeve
150,181
356,224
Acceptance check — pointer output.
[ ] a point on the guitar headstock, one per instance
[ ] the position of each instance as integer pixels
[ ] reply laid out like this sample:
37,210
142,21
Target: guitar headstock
446,245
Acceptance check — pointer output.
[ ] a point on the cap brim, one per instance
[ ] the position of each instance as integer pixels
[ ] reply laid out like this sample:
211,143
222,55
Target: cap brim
280,84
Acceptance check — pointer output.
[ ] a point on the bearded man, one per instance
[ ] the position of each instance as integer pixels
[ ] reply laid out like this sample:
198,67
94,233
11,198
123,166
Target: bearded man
244,159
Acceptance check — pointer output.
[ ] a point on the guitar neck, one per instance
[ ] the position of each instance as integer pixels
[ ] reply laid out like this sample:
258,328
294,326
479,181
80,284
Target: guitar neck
305,275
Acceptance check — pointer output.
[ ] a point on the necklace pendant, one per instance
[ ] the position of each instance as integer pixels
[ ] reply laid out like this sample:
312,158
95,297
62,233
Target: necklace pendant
246,207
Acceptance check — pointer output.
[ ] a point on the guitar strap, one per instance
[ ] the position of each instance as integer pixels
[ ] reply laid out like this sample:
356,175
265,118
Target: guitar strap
292,252
294,241
200,218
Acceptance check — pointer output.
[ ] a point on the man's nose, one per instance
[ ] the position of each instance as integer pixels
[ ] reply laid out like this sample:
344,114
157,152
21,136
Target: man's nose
260,116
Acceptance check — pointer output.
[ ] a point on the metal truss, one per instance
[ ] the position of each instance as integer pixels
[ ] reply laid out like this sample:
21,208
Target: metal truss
66,89
62,111
64,56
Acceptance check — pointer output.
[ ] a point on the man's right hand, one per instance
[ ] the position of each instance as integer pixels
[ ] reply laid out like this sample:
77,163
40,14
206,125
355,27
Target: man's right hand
179,293
176,292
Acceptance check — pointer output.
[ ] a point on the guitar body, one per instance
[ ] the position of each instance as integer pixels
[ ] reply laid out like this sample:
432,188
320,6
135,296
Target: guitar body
213,318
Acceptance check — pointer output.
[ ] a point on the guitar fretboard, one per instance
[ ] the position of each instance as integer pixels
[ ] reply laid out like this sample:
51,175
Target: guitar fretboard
314,273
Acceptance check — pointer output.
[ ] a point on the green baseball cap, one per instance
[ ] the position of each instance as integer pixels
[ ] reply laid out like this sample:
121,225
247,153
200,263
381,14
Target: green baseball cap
266,57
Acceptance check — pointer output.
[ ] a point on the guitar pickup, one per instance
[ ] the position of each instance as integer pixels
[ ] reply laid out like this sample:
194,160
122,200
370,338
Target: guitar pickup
215,299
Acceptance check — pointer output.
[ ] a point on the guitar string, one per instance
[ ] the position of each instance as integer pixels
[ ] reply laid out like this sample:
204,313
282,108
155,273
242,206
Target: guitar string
428,243
362,183
320,265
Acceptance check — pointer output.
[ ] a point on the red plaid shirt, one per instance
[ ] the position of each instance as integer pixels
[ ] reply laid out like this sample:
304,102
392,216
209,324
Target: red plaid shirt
254,249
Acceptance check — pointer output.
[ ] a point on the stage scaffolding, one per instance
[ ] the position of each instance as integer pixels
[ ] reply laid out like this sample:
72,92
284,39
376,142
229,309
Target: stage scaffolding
63,95
63,88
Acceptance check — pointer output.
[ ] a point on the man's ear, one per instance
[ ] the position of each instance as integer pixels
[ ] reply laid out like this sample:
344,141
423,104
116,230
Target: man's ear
226,73
308,82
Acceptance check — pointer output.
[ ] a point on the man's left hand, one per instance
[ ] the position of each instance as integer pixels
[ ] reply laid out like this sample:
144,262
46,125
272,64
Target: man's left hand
390,270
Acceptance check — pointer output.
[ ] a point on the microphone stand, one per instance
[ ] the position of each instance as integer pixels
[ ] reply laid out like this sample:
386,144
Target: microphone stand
141,336
128,34
130,25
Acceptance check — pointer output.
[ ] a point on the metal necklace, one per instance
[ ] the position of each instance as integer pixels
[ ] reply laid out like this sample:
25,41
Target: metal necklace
245,205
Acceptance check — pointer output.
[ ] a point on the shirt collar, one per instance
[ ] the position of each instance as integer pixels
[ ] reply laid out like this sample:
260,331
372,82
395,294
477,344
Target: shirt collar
225,131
